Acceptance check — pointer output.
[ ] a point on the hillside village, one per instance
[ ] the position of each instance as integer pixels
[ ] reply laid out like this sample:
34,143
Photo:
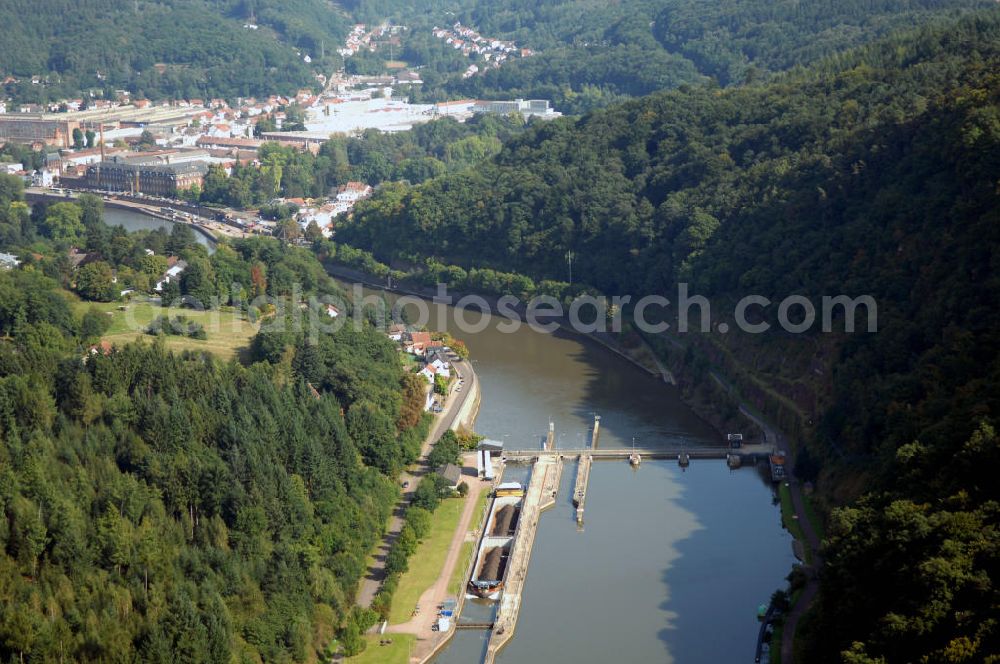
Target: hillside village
494,52
431,356
360,38
164,150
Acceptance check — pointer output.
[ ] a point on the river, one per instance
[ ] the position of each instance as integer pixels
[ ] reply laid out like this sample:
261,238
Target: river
136,221
671,564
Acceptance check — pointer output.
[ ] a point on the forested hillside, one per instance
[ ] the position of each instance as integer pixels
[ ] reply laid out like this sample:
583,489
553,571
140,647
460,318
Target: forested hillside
874,172
175,49
591,53
160,507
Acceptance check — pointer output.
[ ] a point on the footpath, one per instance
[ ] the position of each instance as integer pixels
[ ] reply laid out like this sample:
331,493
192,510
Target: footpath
809,592
448,419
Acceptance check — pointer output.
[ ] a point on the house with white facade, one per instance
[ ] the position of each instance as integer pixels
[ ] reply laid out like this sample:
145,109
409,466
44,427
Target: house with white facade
8,261
172,273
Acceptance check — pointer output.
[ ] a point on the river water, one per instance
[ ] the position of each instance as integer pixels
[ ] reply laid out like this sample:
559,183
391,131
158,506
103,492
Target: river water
136,221
671,564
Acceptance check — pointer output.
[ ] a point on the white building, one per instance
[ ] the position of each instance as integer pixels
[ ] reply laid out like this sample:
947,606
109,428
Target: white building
429,372
323,217
8,261
352,192
173,273
526,107
42,178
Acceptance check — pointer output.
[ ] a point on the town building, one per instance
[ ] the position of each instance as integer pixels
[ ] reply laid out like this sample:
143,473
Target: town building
42,178
430,373
221,143
526,107
459,107
30,128
437,358
140,177
173,272
452,475
396,331
8,261
301,140
416,343
352,192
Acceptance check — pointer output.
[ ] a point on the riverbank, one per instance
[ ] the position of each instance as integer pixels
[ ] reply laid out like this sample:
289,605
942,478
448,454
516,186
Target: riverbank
429,642
411,478
648,362
801,522
652,364
446,560
210,230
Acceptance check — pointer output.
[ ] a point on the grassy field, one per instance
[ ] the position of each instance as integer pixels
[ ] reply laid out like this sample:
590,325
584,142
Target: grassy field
792,523
815,520
228,332
776,636
398,652
426,563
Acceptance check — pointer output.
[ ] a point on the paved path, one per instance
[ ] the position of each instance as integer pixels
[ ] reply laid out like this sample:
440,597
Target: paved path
376,572
812,585
421,625
775,438
812,541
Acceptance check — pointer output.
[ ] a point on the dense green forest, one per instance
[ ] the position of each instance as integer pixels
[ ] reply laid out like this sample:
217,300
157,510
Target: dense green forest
161,507
591,54
164,507
175,49
873,172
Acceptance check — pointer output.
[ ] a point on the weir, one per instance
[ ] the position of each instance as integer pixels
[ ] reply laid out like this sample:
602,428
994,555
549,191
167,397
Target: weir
749,453
582,480
583,472
512,522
